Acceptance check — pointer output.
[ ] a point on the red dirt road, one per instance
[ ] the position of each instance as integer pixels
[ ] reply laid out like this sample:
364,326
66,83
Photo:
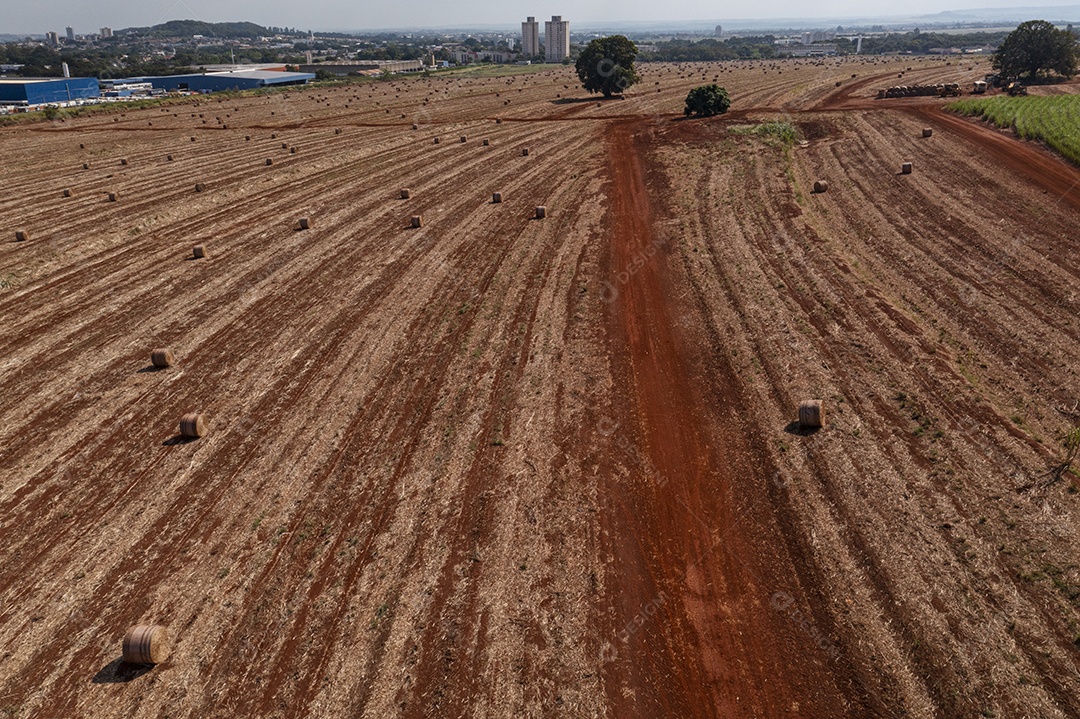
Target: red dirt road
726,593
1031,161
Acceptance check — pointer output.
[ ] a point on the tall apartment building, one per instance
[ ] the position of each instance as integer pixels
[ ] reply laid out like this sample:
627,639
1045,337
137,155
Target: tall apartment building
530,37
71,33
106,32
52,39
556,39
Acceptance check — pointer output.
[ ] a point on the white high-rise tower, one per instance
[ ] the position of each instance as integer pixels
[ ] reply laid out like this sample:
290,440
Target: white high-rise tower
530,37
556,39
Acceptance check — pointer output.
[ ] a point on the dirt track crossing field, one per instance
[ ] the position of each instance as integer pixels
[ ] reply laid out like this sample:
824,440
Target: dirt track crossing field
500,466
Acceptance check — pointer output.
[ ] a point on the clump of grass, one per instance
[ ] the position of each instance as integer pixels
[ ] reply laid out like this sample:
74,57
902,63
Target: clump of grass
783,131
1054,120
1071,445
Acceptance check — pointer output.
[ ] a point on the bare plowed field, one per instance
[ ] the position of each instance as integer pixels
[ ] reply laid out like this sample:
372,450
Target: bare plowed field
507,466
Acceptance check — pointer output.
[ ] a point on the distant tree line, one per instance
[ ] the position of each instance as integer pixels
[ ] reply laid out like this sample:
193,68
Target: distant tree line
187,28
736,48
113,62
764,46
921,42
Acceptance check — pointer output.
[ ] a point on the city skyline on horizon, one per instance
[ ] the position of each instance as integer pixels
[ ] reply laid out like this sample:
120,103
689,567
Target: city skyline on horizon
337,16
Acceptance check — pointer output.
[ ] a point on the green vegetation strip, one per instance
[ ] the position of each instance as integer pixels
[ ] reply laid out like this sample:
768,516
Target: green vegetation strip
783,131
1054,120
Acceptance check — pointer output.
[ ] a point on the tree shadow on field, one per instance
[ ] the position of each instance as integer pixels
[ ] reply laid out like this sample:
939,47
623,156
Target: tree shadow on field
797,429
119,672
576,100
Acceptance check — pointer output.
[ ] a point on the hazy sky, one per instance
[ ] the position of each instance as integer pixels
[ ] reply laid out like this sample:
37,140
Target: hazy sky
39,16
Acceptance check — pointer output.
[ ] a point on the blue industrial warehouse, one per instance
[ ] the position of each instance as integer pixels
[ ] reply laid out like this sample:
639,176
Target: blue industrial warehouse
220,81
35,91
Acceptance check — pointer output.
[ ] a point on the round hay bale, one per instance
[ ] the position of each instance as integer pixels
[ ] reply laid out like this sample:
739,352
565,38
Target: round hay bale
305,223
82,146
337,131
193,139
406,193
811,414
292,150
821,186
86,166
199,187
273,135
67,193
22,235
496,197
193,425
524,152
927,132
113,197
168,158
269,161
247,138
417,221
464,139
284,146
162,358
198,251
123,160
415,126
436,141
146,644
498,121
541,212
487,142
905,169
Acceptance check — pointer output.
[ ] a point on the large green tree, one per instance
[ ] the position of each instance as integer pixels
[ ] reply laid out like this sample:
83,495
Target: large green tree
607,65
1037,47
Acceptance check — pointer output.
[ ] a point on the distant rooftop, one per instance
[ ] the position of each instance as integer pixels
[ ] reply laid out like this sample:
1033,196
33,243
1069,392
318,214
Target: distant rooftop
244,68
255,74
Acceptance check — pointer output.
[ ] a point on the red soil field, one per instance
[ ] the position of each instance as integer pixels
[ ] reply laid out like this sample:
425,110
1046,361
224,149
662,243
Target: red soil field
501,466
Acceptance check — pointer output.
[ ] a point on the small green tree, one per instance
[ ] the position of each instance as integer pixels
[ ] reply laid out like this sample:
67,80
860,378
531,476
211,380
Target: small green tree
607,65
706,101
1036,47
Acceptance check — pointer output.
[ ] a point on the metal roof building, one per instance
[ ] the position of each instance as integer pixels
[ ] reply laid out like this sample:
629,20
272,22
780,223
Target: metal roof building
40,91
220,81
